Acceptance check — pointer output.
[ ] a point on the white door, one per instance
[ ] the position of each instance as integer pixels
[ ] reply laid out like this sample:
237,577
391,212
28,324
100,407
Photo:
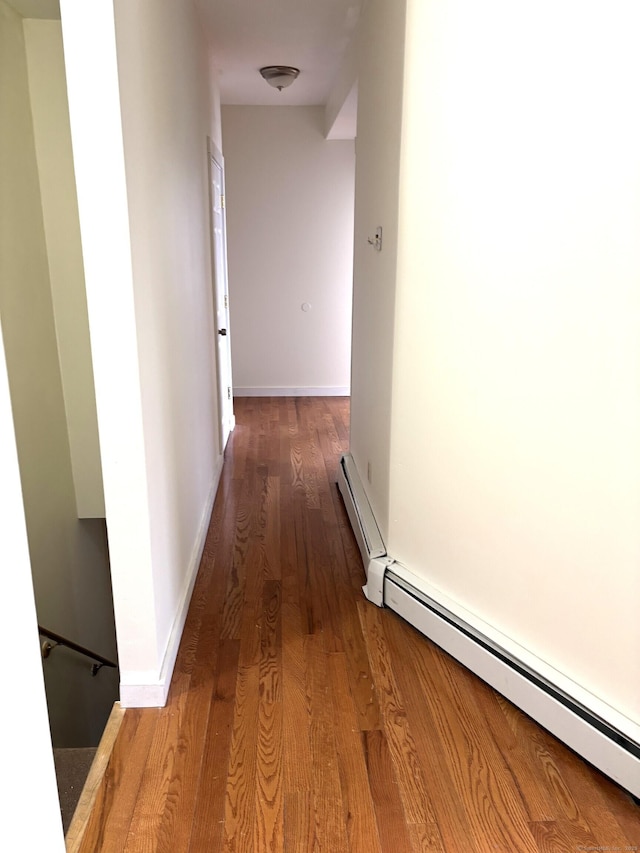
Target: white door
221,293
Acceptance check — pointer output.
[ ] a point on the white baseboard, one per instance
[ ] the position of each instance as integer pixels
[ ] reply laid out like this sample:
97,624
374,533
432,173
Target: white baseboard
365,529
597,732
574,723
150,689
286,391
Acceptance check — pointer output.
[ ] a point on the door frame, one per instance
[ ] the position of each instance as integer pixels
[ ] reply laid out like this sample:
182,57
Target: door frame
220,289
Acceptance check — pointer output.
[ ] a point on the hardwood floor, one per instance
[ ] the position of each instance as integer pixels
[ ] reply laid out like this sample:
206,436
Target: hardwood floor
303,718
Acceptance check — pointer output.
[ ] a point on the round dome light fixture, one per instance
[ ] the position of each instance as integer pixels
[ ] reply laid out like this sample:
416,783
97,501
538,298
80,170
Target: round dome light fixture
279,76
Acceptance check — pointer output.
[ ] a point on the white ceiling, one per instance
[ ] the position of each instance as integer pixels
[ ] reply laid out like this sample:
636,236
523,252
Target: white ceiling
311,35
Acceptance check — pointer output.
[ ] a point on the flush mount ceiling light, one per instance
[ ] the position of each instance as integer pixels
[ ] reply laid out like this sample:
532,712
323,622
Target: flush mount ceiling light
279,76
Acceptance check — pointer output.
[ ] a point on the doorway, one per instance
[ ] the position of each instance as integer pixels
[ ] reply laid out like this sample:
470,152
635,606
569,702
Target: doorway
220,293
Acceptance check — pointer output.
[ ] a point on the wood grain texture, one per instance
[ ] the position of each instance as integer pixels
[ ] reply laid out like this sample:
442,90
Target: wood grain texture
303,719
407,762
392,825
84,809
117,795
357,800
207,827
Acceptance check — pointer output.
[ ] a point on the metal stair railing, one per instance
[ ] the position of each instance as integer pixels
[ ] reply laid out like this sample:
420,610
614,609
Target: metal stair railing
59,640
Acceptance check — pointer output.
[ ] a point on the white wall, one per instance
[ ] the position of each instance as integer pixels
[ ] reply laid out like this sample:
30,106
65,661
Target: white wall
381,34
48,96
142,102
515,483
25,718
513,447
340,110
290,242
166,97
68,557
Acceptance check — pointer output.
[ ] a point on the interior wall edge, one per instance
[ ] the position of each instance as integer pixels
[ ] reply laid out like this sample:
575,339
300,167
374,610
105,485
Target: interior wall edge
150,689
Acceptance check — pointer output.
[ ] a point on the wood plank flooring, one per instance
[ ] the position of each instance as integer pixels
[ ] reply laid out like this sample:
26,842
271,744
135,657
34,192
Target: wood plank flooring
302,718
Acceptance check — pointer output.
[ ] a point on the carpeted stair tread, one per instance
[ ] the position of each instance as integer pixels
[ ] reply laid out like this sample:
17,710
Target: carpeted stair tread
72,769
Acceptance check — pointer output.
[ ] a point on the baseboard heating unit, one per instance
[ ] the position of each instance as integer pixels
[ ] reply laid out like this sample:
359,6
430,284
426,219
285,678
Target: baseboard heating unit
365,529
596,732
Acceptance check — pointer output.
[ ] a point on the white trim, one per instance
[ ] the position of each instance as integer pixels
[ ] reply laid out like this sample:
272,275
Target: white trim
286,391
224,377
365,529
214,151
374,587
360,513
487,653
518,653
151,695
150,689
577,733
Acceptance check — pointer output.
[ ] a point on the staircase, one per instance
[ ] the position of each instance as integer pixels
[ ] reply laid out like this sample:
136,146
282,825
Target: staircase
72,769
79,771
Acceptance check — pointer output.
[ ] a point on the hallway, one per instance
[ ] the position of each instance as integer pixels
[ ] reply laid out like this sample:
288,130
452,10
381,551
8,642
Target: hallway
303,718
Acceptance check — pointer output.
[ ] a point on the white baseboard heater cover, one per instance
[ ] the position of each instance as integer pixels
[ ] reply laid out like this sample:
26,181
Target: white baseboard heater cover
365,529
611,750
